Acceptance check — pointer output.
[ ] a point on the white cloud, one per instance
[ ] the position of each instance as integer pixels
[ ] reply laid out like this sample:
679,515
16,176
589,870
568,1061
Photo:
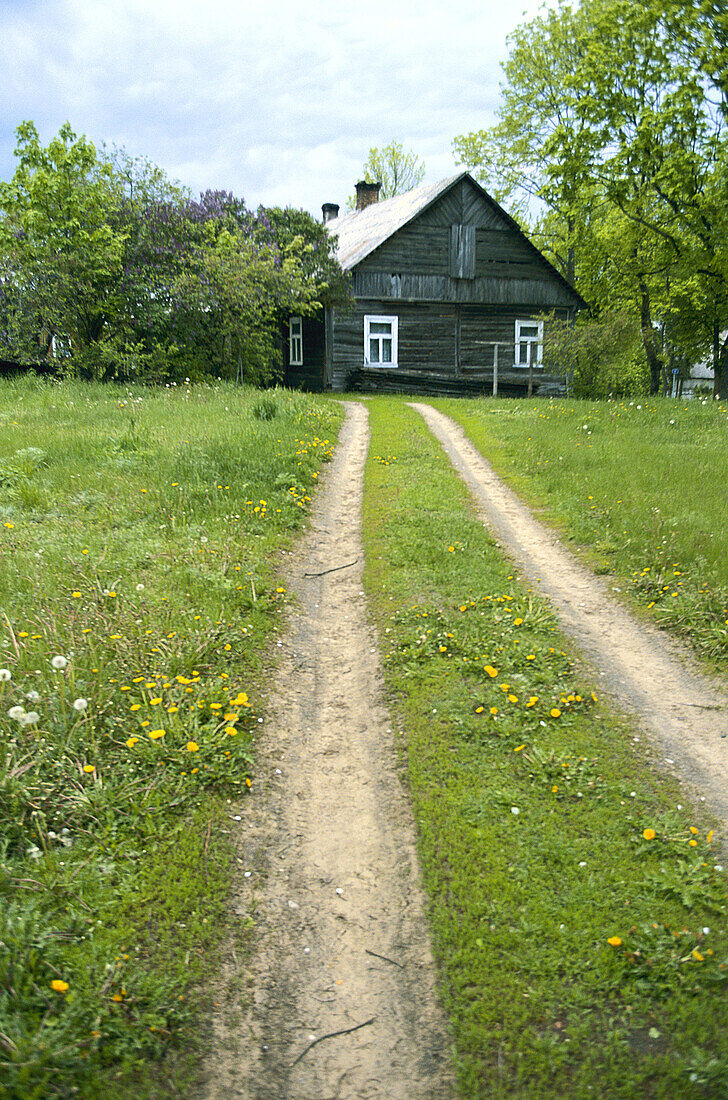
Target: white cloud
278,103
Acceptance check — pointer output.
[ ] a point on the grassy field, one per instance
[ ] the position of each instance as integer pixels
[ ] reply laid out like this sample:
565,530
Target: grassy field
640,486
138,538
578,903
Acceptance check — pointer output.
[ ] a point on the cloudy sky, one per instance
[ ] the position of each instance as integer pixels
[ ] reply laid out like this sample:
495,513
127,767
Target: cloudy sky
277,101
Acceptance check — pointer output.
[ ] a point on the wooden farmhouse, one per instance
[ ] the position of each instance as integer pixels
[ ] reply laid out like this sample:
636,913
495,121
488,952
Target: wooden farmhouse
448,296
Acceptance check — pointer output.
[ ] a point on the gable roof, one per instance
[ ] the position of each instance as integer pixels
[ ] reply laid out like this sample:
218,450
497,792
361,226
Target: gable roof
361,232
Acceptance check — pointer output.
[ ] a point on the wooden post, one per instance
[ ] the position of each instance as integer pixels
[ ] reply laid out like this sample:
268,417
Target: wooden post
495,370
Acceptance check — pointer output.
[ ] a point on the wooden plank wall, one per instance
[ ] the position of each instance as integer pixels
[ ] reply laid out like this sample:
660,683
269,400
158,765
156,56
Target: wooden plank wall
434,337
417,261
309,376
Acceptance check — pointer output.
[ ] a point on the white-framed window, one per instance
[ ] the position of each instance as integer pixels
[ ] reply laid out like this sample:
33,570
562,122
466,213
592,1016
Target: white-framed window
295,341
529,343
380,340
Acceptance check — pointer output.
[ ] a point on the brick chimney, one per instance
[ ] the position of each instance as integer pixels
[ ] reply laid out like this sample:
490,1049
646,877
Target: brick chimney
330,211
366,194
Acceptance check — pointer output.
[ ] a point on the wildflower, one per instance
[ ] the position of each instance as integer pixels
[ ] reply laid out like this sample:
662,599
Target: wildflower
649,834
140,588
231,731
32,696
494,710
492,672
520,748
693,843
131,742
693,830
554,789
517,622
80,704
614,941
30,718
512,698
192,746
532,701
248,783
697,956
59,662
135,706
17,713
88,768
479,710
76,595
555,712
58,986
156,734
5,675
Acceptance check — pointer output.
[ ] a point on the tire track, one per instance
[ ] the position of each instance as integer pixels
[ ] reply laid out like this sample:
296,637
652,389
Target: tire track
643,671
338,998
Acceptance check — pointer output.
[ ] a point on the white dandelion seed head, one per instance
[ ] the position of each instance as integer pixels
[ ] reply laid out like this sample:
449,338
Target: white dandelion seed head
59,662
17,713
140,588
515,810
30,718
33,697
80,704
5,675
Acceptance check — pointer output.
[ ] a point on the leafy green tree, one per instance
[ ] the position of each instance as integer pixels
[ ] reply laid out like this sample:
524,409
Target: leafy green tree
395,168
62,254
613,117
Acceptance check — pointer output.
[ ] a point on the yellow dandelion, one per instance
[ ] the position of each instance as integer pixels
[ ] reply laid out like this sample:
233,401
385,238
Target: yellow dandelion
614,941
154,735
492,672
519,748
512,698
693,843
192,746
649,834
135,706
58,986
494,710
697,956
554,789
693,830
479,710
76,595
555,712
131,742
88,768
248,783
532,701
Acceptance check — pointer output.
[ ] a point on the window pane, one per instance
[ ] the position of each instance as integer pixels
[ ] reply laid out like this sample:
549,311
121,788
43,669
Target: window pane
530,331
523,353
381,327
373,351
386,351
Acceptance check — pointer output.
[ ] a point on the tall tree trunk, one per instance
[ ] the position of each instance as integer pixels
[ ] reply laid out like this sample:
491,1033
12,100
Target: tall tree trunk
649,340
720,363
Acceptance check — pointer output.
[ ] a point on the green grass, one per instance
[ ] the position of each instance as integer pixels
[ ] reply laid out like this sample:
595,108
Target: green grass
138,539
536,811
638,486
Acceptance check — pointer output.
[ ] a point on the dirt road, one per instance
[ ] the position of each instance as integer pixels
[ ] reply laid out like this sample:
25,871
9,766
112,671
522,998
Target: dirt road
329,854
640,668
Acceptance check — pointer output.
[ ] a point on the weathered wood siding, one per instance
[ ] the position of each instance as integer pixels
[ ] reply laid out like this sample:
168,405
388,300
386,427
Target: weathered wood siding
460,250
309,376
434,338
457,277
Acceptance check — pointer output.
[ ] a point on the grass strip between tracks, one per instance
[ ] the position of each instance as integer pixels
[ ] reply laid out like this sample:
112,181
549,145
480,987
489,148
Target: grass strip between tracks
139,533
577,900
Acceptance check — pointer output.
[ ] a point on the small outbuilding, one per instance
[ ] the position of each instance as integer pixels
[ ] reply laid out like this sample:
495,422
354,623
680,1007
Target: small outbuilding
448,297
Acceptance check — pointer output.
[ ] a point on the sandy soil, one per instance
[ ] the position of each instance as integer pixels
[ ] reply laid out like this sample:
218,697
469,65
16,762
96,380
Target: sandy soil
640,668
327,848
